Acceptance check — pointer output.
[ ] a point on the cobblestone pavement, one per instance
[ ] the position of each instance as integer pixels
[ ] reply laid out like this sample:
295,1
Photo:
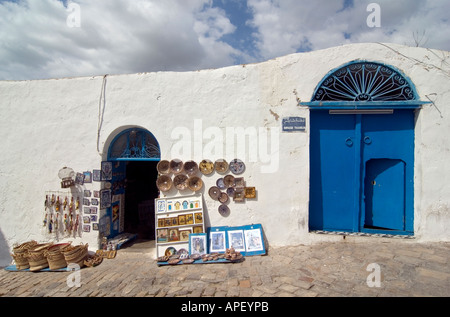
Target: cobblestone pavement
345,268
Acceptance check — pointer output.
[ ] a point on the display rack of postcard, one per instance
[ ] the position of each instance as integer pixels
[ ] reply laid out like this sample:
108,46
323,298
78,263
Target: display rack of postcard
175,219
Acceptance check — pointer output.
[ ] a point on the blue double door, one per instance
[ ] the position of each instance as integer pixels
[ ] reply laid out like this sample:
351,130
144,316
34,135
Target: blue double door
362,172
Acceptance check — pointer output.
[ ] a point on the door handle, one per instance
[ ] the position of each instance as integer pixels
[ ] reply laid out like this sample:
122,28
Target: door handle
367,140
349,142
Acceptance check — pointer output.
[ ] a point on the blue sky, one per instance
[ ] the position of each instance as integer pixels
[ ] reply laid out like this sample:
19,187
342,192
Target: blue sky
40,39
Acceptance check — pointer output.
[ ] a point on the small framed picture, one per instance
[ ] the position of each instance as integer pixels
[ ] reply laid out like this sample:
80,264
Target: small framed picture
94,202
79,179
198,217
94,218
86,202
189,219
198,229
95,226
217,241
197,243
96,175
86,228
162,235
106,174
161,223
174,235
96,193
105,198
174,221
236,240
93,210
181,220
87,177
86,219
87,193
184,234
87,210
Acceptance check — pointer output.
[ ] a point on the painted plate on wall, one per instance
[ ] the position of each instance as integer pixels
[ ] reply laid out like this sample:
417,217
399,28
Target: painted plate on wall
195,183
220,183
176,166
206,167
164,183
214,192
224,210
237,167
163,167
180,182
191,168
221,166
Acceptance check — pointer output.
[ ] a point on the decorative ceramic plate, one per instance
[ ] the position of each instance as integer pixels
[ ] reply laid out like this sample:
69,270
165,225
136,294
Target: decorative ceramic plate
191,168
230,192
221,166
220,183
174,261
228,181
223,198
237,167
195,183
164,183
214,192
206,167
176,166
180,181
170,251
195,256
224,210
182,252
163,167
188,261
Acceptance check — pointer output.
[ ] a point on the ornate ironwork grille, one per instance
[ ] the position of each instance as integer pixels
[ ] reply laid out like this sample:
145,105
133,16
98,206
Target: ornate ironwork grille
134,144
365,81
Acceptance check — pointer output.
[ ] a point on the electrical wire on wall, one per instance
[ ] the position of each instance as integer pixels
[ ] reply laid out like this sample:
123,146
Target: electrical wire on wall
101,111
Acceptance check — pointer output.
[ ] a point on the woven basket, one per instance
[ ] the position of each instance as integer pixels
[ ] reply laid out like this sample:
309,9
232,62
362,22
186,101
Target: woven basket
55,257
37,258
76,254
20,254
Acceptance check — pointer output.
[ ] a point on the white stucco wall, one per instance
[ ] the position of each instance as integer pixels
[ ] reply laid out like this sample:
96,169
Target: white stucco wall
48,124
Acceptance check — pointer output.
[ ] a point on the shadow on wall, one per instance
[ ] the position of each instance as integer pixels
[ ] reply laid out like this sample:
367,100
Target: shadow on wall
5,256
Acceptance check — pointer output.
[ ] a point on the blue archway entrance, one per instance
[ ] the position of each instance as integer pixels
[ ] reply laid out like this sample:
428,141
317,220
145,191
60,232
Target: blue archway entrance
362,150
134,154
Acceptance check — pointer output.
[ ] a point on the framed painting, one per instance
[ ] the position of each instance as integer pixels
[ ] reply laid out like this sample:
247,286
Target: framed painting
198,243
162,235
236,240
217,240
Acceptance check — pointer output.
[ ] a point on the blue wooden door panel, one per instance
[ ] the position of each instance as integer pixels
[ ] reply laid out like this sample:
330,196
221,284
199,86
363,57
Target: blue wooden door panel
332,156
385,194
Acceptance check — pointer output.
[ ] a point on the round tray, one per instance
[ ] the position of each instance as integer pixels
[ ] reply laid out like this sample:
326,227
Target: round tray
164,183
176,166
180,181
206,167
223,198
237,167
214,192
190,167
228,181
163,167
221,166
224,210
195,183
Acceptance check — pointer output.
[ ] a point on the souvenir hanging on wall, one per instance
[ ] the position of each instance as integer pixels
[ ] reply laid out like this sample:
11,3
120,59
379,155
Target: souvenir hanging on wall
206,167
237,166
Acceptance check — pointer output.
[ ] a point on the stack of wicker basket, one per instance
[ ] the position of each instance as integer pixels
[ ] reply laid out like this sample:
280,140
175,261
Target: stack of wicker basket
55,256
76,254
20,254
37,256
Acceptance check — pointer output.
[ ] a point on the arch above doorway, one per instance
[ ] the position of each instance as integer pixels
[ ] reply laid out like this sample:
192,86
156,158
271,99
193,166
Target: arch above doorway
134,144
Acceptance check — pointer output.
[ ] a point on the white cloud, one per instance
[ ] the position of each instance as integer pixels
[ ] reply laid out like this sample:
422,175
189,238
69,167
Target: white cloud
288,26
115,36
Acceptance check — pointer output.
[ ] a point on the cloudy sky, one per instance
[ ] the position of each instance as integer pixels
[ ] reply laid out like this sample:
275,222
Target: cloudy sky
61,38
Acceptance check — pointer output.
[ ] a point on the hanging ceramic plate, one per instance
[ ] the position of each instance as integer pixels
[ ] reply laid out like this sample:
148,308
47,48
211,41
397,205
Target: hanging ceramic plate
191,168
180,182
230,192
176,166
206,167
228,181
224,210
237,167
163,167
195,183
220,183
221,166
239,182
223,198
164,183
214,192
